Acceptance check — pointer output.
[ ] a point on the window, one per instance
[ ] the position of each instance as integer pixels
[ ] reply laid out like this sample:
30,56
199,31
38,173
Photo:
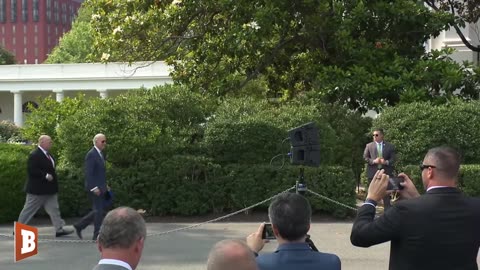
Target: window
64,13
3,11
72,14
49,11
35,11
56,14
24,10
28,106
13,10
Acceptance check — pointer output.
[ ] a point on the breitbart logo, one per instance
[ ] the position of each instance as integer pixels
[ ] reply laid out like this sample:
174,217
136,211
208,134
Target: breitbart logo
26,241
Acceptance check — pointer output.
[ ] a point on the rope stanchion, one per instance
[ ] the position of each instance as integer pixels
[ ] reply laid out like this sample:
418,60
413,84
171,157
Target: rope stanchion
43,240
333,201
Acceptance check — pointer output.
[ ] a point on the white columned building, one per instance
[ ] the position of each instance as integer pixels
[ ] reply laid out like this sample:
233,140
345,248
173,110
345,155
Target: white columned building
24,84
450,39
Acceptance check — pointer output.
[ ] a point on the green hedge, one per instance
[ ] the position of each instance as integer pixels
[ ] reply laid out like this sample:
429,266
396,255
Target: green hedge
13,174
414,128
468,182
185,185
188,185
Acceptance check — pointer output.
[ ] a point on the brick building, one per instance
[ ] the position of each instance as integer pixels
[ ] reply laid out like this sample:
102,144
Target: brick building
30,29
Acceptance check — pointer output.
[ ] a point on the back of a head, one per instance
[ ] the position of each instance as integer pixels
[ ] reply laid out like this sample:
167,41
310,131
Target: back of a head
291,214
121,228
231,255
447,161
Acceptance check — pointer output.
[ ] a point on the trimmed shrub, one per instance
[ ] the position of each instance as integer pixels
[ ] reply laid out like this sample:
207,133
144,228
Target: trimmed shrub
252,131
189,185
414,128
468,181
9,131
141,125
13,174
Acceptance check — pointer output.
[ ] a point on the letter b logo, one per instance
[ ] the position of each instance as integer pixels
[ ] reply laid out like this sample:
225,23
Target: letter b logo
26,241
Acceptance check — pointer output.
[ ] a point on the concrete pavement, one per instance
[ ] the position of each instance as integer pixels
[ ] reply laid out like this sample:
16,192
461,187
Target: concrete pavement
187,249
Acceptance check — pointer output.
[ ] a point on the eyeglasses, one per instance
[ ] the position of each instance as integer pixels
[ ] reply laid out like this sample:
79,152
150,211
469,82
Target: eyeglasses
376,135
423,167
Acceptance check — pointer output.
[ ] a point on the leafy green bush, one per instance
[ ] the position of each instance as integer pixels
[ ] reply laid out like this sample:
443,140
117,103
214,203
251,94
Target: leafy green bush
13,174
8,130
248,130
468,182
141,125
187,185
415,128
470,179
48,116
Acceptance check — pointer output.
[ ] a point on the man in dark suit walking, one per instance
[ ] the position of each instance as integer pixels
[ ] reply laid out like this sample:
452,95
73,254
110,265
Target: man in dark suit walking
42,187
121,240
437,230
379,155
95,185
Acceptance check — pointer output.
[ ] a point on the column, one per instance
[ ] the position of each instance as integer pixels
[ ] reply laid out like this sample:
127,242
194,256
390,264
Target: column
103,93
59,95
17,108
438,42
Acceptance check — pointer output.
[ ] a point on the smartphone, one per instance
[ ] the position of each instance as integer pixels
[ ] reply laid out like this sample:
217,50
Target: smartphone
394,183
268,232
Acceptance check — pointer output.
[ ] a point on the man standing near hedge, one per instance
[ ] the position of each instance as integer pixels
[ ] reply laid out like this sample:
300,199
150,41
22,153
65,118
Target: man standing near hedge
379,155
437,230
42,187
95,185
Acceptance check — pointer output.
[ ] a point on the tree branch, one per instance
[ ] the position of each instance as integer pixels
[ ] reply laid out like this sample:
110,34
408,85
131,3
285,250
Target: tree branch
457,29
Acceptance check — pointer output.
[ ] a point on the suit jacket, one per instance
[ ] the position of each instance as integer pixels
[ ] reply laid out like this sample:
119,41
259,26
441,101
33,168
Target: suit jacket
38,165
298,256
109,267
438,230
95,171
370,153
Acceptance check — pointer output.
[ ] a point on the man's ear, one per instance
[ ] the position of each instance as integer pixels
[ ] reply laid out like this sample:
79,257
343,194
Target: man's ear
138,246
275,231
99,247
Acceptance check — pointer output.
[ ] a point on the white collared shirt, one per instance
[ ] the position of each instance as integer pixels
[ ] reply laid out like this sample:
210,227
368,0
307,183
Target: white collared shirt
47,155
434,187
115,262
99,152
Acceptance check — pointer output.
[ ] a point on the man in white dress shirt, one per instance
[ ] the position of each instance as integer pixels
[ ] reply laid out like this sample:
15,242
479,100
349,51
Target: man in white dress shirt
121,240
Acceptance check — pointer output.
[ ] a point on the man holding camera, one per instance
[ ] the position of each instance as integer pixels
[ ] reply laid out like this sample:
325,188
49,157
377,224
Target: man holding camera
290,216
436,230
379,155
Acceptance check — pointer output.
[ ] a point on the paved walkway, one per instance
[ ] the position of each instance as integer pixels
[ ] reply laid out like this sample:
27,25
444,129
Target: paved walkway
187,249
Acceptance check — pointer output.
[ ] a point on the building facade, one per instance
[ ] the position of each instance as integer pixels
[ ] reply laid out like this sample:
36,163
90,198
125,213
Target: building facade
30,29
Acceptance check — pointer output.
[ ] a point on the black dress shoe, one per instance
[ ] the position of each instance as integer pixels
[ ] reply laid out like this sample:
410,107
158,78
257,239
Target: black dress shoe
63,232
78,231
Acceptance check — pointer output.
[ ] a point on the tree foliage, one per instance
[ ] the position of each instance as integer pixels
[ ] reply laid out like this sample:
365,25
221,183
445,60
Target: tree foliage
357,53
464,11
76,45
6,57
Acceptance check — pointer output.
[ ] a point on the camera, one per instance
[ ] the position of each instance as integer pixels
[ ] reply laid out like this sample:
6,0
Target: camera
268,232
394,183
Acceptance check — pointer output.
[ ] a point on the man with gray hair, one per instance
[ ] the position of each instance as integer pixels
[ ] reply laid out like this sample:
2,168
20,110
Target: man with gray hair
95,185
121,240
231,255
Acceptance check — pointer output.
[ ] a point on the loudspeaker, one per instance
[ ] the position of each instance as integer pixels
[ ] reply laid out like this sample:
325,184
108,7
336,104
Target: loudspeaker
304,135
305,148
308,155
